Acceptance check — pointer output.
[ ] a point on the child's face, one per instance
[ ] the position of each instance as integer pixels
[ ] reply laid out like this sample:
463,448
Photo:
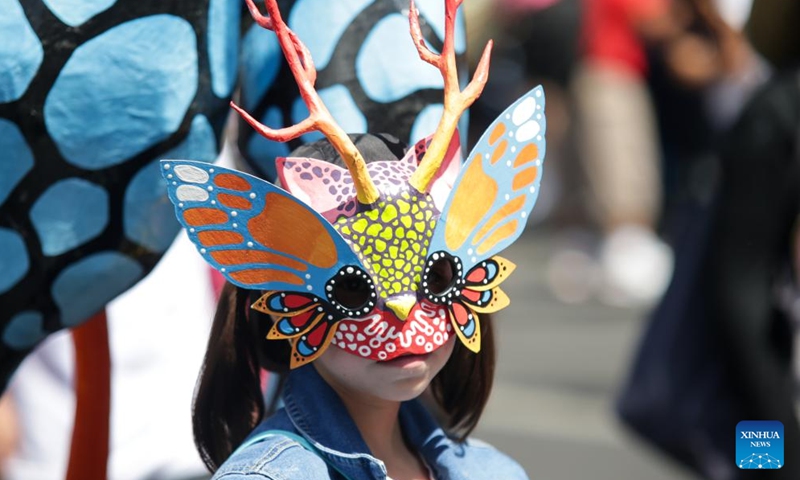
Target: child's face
364,380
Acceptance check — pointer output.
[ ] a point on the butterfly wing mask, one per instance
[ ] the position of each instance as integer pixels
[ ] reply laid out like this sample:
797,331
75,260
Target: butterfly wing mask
262,238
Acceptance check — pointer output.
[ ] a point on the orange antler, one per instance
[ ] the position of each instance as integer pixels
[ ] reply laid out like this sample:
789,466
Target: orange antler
455,100
319,117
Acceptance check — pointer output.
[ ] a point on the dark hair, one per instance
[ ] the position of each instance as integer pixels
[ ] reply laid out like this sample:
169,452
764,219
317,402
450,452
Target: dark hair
229,402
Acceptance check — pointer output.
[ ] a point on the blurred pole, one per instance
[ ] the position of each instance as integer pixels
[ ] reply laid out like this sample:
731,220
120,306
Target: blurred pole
88,458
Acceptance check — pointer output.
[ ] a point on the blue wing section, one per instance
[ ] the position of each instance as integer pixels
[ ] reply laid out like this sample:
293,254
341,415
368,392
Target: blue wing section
257,235
497,186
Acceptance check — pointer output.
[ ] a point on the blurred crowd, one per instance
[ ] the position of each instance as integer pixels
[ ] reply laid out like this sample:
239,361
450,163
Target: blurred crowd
640,94
672,185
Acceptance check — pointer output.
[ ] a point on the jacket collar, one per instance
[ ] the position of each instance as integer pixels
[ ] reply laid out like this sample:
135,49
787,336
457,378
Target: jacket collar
320,416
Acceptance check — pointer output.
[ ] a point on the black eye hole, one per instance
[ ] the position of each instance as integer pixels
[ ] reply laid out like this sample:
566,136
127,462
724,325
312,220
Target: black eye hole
440,276
351,291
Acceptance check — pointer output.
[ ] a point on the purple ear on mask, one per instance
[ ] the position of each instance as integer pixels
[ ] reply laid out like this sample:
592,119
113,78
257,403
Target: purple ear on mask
328,188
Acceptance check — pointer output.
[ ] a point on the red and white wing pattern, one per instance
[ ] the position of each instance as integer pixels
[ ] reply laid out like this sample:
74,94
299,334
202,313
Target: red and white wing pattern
302,318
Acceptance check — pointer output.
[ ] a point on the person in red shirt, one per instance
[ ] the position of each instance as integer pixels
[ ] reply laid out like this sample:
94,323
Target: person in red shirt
618,142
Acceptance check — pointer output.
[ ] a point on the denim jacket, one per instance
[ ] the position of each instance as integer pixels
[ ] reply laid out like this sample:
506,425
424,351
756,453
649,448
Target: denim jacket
315,414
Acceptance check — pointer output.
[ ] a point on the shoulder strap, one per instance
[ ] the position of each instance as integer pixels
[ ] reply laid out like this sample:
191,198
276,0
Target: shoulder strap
297,438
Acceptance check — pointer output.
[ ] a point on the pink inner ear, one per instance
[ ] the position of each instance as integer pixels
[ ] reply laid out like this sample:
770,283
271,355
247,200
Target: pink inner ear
317,183
446,177
329,190
410,158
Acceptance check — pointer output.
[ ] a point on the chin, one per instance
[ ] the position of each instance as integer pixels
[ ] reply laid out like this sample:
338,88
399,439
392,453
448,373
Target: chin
405,390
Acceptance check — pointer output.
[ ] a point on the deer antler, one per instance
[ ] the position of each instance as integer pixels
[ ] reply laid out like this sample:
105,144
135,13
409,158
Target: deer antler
319,117
455,100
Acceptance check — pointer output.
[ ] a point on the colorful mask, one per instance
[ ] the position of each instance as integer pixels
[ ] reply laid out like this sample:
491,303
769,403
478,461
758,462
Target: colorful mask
381,259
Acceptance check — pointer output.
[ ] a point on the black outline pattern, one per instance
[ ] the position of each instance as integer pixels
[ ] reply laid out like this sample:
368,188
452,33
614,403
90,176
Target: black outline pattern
59,41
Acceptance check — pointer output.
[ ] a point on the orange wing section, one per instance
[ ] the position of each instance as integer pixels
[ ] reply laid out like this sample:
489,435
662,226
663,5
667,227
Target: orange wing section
264,275
524,178
287,226
213,238
526,155
510,208
492,198
232,182
499,151
475,191
498,132
198,217
254,233
234,201
498,236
